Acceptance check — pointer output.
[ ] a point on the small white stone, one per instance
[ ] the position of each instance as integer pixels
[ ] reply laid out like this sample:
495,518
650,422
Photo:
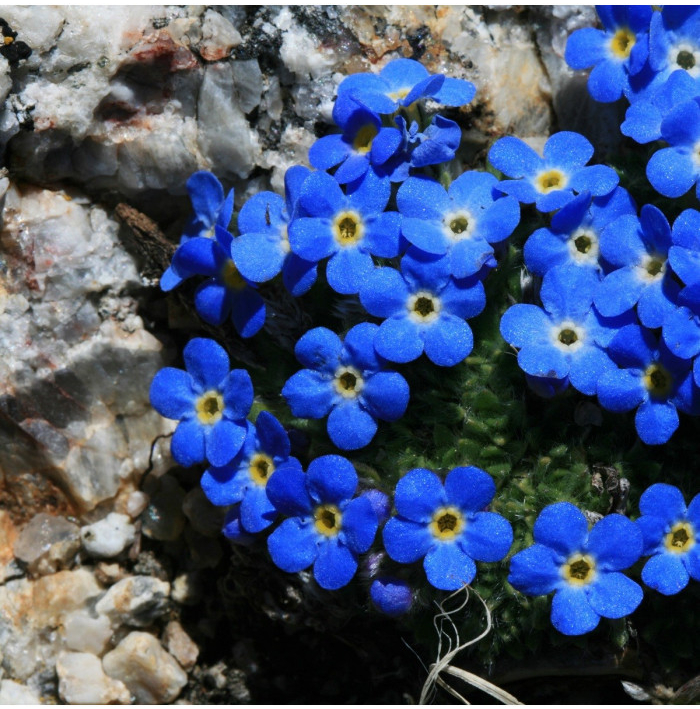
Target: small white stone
151,674
15,693
136,504
108,537
81,680
136,600
180,645
187,588
83,633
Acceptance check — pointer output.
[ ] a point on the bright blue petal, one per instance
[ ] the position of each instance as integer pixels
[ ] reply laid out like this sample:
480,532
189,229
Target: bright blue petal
685,263
170,279
607,81
391,596
567,291
572,613
426,235
354,168
382,235
335,565
599,180
663,501
298,275
455,92
223,440
348,269
233,529
258,257
386,395
671,172
423,270
309,394
350,427
543,361
562,527
261,212
406,541
514,158
633,346
257,512
359,525
293,545
398,340
615,542
212,302
448,340
187,444
622,242
657,302
237,390
384,293
681,127
198,256
418,495
207,196
487,537
171,393
331,478
224,486
619,291
319,349
587,366
468,256
469,488
567,149
614,595
402,73
321,195
522,190
464,297
248,312
448,567
311,238
206,361
585,48
273,438
370,194
665,573
359,347
328,151
553,200
385,145
544,249
653,530
656,421
499,220
523,324
287,491
535,570
620,390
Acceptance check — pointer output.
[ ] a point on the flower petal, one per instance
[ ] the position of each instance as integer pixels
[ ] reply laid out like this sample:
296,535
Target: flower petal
616,542
287,491
572,613
419,493
359,525
171,393
257,512
406,541
319,349
386,395
656,421
614,595
514,158
331,478
562,527
206,361
398,340
665,573
274,440
335,565
293,545
187,444
469,488
237,390
309,394
487,537
448,567
448,340
535,570
350,427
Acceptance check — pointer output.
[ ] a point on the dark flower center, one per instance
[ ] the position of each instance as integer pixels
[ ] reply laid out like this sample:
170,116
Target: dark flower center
685,59
209,407
459,225
550,180
447,523
348,381
327,520
424,306
583,244
681,538
567,337
657,380
579,569
654,266
348,228
260,468
363,138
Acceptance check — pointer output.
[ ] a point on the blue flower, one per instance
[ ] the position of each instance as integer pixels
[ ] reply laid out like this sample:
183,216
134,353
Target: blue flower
567,337
391,596
582,568
210,401
550,182
574,234
234,530
262,250
644,117
615,52
348,228
416,149
266,448
670,532
363,144
674,170
446,525
425,310
673,42
684,254
225,292
401,83
463,221
639,249
346,382
326,527
651,378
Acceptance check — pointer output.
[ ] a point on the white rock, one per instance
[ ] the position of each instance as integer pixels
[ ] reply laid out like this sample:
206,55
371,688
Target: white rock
150,673
108,537
136,504
84,633
81,680
15,693
219,36
47,543
136,600
180,645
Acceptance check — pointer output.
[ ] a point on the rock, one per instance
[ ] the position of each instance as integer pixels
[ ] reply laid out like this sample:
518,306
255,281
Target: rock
180,645
85,632
108,574
187,588
53,597
219,37
47,544
108,537
15,693
8,536
135,601
151,674
81,680
136,503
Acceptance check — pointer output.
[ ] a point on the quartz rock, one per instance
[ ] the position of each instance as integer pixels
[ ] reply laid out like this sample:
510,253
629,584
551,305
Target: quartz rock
12,692
47,544
180,645
108,537
84,632
135,601
81,680
151,674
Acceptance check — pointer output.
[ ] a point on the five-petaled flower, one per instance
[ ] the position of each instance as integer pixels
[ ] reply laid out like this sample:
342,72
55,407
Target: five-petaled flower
326,526
670,532
445,525
581,567
209,399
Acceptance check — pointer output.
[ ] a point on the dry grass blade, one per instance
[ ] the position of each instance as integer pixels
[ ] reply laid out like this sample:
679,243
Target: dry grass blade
482,684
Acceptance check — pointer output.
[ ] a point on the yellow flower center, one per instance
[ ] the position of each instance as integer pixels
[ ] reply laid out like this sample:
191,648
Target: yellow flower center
657,380
447,523
401,93
362,143
681,538
260,468
423,307
550,180
348,228
231,277
210,407
622,42
579,569
327,520
348,382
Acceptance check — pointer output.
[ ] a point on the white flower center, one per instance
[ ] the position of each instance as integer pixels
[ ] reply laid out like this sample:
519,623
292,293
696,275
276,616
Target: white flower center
583,246
652,268
568,336
459,225
685,56
423,307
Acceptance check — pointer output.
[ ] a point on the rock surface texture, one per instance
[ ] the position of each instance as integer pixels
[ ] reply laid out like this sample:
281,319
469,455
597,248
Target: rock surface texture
100,127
